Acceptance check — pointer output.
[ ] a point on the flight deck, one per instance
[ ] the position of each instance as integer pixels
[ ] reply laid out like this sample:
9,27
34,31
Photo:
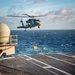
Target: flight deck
40,64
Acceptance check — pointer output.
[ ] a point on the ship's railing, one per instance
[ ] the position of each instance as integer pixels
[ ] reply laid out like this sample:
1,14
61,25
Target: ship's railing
13,39
6,40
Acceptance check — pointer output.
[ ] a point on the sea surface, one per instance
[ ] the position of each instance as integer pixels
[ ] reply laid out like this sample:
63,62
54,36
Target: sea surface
47,41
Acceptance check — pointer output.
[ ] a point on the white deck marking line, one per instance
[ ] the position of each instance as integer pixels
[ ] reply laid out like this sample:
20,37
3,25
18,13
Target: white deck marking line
37,60
48,65
61,60
39,65
73,56
7,58
64,54
28,58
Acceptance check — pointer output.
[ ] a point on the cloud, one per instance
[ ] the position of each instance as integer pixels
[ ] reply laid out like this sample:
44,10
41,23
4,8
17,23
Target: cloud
11,22
39,1
0,10
36,1
61,15
32,1
62,11
57,17
11,9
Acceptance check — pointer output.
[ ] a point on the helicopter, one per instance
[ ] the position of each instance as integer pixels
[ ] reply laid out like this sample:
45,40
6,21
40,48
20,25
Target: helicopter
30,23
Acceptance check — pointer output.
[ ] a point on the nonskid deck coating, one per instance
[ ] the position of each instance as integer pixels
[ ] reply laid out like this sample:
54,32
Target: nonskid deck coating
41,64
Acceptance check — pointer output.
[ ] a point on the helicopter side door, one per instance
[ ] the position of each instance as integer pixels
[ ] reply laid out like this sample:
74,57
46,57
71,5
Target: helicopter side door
28,22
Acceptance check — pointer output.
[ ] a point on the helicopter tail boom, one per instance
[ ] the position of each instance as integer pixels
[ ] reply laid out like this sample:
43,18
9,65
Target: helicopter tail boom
20,27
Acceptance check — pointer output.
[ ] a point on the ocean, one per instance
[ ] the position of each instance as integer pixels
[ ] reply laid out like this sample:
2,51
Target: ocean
47,41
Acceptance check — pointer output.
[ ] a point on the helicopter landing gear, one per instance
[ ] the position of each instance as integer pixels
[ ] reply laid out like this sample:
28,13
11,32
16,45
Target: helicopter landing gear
38,26
21,20
29,26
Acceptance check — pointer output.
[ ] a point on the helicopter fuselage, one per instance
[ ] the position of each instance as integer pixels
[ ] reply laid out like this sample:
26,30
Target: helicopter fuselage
30,23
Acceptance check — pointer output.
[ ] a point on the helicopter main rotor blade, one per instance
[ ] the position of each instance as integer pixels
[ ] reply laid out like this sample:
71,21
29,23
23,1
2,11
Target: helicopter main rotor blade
26,16
29,15
34,16
17,16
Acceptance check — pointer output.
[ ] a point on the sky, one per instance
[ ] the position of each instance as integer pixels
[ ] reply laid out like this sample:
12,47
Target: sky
58,14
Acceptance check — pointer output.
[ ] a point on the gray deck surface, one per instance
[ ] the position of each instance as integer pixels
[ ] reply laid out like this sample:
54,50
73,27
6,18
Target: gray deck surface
41,64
